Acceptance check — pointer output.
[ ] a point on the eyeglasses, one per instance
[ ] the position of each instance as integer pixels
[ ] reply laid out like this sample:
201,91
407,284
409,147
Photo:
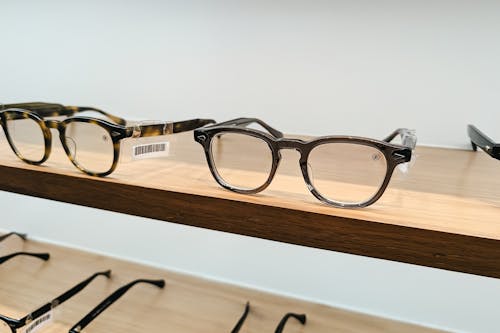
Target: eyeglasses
10,234
35,318
281,326
479,139
91,144
342,171
42,256
109,301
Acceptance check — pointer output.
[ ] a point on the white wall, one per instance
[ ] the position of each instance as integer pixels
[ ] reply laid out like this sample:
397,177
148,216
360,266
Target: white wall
310,67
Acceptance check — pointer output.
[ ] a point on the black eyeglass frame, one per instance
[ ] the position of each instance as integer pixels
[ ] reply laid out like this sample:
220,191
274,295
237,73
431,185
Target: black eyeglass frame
10,234
481,140
108,301
394,154
41,256
302,318
15,324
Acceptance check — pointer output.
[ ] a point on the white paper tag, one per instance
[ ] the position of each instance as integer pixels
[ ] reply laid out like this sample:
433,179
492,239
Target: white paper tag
39,322
151,150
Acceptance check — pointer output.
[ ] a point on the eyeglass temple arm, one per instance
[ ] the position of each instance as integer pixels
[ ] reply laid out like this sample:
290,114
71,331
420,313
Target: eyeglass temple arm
42,256
62,298
300,317
242,319
115,119
408,137
192,124
55,110
22,236
481,140
244,122
164,128
109,301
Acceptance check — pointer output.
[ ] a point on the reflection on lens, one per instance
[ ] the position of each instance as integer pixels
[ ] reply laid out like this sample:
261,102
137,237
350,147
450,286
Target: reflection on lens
4,328
27,138
90,146
242,161
347,173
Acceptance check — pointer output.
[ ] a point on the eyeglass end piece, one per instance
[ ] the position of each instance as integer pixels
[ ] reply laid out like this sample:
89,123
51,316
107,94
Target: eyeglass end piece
107,273
23,236
302,318
159,283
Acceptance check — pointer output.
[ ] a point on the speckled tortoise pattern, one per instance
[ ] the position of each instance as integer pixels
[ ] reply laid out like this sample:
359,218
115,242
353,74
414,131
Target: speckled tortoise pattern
394,153
118,130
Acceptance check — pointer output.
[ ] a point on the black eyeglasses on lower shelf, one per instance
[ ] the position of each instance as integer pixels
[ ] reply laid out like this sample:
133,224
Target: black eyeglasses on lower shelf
281,326
481,140
42,256
10,234
109,301
342,171
11,325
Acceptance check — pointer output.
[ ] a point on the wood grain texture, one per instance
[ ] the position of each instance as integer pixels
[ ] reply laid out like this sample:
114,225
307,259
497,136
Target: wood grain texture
445,213
186,305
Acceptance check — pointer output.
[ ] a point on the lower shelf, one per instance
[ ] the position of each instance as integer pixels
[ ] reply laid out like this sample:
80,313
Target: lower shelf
187,304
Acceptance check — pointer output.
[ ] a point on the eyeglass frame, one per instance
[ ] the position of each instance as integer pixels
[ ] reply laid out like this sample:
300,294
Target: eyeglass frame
41,256
108,301
15,324
301,318
10,234
394,153
117,132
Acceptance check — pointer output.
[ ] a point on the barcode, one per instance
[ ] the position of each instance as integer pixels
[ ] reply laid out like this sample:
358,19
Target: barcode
38,322
148,149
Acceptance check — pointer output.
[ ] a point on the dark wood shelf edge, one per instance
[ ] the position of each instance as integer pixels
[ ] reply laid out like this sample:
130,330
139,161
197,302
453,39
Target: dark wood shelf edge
467,254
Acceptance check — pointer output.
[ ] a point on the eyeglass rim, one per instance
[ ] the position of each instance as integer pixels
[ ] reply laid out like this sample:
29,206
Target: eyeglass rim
116,132
393,153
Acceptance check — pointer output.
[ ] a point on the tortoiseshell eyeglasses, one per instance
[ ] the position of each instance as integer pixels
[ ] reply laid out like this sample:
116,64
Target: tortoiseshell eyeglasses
342,171
91,144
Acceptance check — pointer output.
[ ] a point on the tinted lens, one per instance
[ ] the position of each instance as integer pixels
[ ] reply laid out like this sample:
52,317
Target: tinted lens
4,328
347,173
26,136
242,161
90,146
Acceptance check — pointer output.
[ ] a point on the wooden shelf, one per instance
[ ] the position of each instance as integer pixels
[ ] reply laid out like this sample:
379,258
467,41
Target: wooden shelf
187,304
445,213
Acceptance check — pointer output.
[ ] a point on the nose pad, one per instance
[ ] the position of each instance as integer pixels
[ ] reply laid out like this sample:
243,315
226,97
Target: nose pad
71,144
376,156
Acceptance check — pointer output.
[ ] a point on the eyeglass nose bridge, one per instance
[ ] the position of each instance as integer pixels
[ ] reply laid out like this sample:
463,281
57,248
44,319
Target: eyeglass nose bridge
53,124
287,143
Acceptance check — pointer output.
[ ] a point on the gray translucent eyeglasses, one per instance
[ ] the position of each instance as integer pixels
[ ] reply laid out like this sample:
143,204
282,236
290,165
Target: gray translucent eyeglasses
342,171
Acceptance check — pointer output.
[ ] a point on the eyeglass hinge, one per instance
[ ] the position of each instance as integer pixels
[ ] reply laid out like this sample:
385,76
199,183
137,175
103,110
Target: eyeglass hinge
136,133
168,128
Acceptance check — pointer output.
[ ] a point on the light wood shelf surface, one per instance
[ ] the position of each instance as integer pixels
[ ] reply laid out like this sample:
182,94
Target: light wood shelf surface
186,305
444,213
